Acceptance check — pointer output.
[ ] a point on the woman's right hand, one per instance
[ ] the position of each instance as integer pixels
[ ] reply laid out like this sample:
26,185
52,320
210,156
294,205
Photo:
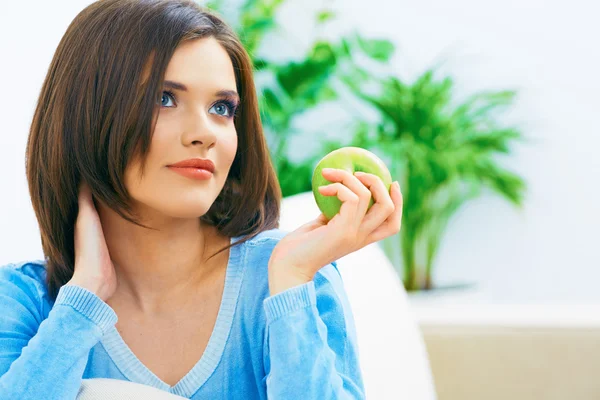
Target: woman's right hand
94,269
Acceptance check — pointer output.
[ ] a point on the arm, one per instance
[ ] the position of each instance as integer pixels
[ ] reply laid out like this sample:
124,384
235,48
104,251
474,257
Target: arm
46,360
311,347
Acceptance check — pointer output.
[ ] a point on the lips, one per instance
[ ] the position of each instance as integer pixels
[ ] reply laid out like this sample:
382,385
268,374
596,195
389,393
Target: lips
197,163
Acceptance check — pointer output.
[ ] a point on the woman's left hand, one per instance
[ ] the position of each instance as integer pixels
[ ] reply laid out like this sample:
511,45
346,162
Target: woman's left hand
299,255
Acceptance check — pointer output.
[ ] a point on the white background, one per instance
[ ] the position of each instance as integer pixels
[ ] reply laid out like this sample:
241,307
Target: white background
545,253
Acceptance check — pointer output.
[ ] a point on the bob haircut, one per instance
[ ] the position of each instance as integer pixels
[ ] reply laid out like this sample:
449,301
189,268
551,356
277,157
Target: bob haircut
96,111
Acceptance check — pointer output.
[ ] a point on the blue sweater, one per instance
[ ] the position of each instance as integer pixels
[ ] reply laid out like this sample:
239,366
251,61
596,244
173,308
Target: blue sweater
298,344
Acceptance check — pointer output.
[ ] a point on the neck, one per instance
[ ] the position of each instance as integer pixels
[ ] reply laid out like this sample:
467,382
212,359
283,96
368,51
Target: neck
162,268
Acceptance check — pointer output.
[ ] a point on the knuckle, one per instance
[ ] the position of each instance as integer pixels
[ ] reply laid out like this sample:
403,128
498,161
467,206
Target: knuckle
365,193
352,197
389,207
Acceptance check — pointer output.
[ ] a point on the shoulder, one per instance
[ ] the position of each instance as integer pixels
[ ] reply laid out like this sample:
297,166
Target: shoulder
266,237
261,246
24,283
254,254
257,254
25,274
257,250
264,243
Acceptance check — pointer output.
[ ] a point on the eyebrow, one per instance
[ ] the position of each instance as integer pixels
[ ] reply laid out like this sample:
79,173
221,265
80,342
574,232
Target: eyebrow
183,88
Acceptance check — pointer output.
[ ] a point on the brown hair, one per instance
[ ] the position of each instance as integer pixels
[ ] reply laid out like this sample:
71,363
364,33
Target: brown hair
87,124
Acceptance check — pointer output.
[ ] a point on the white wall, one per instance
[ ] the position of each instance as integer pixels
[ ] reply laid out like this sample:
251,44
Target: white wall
546,49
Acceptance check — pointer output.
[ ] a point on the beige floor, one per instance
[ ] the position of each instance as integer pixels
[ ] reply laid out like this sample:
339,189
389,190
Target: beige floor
501,363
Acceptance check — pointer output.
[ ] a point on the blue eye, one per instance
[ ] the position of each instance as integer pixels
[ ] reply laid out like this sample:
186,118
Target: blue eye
168,94
225,108
220,109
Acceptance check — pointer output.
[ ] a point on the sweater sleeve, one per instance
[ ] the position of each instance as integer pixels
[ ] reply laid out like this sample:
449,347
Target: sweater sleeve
311,345
45,358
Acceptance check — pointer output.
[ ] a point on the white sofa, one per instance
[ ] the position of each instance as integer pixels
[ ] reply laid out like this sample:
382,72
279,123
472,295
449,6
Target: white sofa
393,356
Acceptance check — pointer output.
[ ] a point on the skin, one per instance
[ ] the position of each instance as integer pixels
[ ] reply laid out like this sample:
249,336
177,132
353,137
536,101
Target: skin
162,270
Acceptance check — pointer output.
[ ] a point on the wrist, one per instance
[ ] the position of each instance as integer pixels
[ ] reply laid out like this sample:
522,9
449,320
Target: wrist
282,278
98,289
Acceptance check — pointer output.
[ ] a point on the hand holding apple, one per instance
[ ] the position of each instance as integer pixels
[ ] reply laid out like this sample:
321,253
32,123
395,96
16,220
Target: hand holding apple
368,208
351,159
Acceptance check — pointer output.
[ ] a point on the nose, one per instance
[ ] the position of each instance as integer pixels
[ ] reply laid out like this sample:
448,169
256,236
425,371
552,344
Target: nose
199,130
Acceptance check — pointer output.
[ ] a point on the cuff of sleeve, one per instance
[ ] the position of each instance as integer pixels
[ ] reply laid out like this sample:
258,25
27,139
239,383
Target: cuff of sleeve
290,300
88,304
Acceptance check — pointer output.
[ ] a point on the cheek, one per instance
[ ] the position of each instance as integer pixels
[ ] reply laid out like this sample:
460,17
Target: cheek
227,151
161,137
233,147
131,177
141,186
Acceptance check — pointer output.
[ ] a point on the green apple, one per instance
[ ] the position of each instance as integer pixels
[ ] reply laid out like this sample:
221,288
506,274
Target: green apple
351,159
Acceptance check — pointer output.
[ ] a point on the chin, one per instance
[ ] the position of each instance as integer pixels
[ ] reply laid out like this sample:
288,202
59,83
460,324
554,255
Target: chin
176,204
178,208
188,211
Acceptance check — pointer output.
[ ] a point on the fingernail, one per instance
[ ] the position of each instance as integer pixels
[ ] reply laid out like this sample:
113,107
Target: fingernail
358,173
326,170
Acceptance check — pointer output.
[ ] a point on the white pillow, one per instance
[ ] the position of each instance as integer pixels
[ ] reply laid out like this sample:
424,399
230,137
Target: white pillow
116,389
392,352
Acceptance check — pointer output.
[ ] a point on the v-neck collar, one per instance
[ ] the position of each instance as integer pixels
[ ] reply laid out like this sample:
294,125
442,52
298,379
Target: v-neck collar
135,371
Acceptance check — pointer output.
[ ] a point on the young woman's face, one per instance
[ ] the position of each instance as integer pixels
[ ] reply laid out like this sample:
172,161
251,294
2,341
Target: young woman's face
192,123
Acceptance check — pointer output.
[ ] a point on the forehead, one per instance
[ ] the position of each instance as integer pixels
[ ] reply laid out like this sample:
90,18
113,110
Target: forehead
202,64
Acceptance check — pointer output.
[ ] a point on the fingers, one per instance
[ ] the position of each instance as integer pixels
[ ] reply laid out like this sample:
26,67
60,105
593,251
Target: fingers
391,225
384,205
383,219
363,195
349,201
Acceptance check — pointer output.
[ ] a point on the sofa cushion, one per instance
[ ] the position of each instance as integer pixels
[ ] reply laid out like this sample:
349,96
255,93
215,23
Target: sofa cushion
116,389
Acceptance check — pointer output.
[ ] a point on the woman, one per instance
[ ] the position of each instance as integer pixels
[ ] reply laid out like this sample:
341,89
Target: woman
158,207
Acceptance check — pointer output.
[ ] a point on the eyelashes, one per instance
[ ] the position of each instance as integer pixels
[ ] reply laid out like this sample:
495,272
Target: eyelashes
231,105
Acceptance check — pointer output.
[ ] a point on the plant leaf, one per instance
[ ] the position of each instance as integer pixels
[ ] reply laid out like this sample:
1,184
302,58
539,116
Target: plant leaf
378,49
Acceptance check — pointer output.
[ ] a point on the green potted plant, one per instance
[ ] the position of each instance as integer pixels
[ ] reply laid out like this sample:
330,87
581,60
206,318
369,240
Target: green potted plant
444,154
